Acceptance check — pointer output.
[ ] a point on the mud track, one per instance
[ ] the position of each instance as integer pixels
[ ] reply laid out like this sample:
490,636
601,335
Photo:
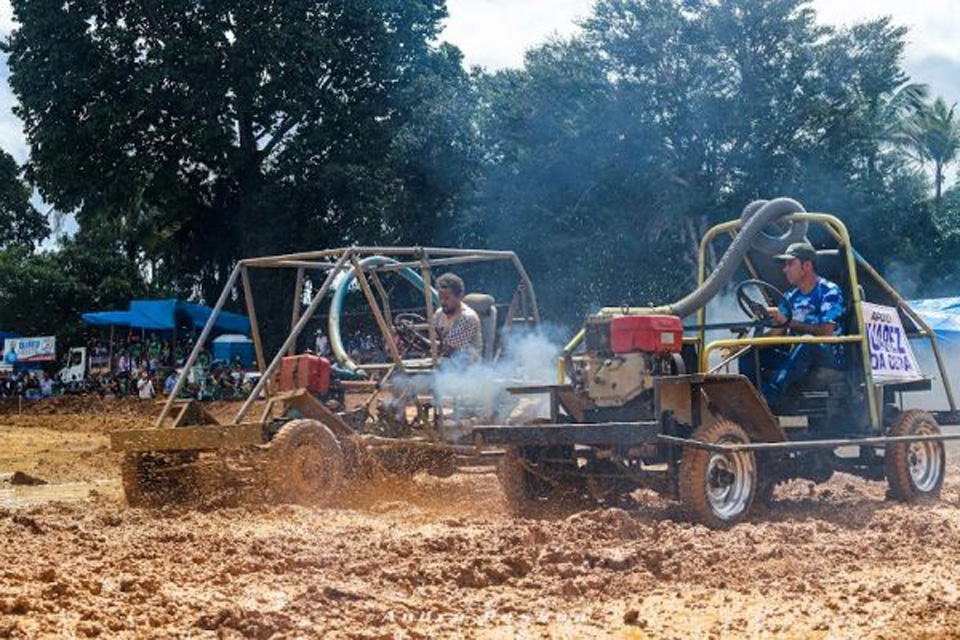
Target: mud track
439,558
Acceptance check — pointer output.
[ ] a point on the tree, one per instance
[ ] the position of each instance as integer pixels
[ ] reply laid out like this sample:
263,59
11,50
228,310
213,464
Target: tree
935,133
196,133
20,222
609,154
46,292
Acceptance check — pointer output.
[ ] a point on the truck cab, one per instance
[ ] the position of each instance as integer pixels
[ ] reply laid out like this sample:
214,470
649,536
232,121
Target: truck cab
74,370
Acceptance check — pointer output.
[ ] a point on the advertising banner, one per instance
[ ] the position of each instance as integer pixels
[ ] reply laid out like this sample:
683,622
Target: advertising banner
891,356
26,350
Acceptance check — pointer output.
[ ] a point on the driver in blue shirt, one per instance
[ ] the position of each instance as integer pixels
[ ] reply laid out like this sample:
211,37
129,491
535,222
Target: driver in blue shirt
817,306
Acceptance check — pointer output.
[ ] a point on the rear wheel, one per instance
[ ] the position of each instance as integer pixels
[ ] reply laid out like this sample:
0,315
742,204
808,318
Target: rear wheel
915,470
532,479
304,464
717,489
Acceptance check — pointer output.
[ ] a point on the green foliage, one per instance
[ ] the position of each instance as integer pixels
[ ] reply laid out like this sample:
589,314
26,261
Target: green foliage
21,225
44,293
196,133
188,134
934,132
608,155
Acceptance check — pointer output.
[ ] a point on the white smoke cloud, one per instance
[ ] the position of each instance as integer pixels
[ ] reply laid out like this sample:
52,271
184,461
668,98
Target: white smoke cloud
478,390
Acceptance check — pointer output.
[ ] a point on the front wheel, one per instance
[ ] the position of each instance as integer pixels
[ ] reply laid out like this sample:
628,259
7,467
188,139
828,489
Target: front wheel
304,464
717,489
915,470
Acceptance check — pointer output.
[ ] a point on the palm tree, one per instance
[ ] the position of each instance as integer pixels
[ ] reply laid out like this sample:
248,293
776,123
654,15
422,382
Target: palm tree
899,107
935,135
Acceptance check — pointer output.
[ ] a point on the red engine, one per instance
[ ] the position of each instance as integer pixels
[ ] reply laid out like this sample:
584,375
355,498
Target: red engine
649,334
305,372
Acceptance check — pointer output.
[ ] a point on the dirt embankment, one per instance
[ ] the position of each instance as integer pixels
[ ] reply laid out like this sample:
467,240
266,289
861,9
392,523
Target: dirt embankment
440,558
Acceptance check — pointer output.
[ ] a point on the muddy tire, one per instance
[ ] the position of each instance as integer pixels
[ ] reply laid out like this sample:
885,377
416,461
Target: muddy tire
529,493
304,464
763,500
915,470
717,489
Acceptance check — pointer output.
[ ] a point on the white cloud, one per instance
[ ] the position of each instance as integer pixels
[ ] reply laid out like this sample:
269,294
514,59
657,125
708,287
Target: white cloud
934,24
496,33
6,17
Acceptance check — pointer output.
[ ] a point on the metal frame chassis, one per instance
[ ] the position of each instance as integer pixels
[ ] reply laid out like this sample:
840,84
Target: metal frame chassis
333,261
838,230
801,445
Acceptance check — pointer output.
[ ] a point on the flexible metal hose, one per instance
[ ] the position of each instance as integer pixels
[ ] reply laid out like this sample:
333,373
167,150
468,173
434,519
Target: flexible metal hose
757,215
733,256
339,291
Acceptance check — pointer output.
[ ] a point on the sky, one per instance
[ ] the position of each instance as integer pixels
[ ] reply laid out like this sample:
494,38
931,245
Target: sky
495,33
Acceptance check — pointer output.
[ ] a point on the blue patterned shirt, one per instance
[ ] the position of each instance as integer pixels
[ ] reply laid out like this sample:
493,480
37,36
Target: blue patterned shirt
823,304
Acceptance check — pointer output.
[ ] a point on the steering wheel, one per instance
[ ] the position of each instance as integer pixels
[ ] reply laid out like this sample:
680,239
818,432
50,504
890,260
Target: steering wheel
407,325
757,309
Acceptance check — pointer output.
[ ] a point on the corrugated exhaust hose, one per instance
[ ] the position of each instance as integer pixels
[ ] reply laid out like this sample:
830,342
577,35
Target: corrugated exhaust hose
756,217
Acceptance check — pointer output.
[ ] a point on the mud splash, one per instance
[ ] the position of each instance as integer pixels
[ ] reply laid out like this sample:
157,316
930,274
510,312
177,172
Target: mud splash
440,558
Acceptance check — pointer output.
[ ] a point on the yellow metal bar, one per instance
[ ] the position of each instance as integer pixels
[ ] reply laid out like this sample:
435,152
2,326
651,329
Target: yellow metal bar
771,341
918,319
569,349
575,342
839,231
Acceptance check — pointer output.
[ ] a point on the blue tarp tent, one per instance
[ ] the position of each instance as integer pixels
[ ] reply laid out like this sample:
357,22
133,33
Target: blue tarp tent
942,314
163,315
230,346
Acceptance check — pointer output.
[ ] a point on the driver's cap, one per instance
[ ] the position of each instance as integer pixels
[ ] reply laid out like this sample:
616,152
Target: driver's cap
801,251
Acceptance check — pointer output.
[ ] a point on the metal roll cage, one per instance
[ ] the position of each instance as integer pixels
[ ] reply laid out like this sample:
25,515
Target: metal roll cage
334,262
838,231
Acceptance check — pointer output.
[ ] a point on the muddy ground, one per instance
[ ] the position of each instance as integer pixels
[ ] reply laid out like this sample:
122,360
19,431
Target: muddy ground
440,558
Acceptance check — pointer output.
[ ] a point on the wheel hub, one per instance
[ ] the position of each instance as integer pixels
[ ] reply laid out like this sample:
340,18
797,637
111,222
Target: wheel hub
925,461
730,479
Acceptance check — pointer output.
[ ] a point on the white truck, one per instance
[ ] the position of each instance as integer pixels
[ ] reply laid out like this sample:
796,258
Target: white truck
80,364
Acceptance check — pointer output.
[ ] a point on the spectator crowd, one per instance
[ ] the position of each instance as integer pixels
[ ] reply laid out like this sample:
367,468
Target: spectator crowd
146,366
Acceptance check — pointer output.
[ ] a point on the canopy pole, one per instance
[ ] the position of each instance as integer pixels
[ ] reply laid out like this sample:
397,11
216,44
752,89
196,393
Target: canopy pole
207,329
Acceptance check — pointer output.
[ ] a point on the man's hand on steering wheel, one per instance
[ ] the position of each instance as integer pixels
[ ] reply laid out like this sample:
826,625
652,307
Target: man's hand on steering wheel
777,317
767,316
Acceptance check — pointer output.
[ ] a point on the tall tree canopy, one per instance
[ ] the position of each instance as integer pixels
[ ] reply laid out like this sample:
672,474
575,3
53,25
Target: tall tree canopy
189,134
609,154
195,133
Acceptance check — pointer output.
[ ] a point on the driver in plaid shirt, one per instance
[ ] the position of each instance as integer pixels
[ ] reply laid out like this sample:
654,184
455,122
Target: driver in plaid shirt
457,325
